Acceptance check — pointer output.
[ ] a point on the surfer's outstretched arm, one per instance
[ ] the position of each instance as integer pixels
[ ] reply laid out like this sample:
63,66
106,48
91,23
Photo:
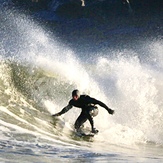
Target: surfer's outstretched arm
94,101
110,111
64,110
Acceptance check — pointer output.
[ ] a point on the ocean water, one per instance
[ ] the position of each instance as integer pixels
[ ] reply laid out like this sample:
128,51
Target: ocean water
37,75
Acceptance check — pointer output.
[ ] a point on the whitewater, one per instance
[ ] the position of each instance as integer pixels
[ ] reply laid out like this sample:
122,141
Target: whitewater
37,75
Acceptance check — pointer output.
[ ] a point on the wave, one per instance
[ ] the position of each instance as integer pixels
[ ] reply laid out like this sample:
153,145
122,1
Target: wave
31,94
38,73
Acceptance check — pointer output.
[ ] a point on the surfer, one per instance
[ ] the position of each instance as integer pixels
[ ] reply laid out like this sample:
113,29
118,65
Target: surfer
89,110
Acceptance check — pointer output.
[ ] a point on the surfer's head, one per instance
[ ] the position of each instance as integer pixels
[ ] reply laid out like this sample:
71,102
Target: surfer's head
75,94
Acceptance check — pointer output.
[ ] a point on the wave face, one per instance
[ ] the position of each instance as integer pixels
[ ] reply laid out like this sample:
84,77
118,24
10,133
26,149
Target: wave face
38,73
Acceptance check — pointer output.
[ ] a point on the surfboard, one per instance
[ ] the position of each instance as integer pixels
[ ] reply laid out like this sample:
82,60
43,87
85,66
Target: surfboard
85,134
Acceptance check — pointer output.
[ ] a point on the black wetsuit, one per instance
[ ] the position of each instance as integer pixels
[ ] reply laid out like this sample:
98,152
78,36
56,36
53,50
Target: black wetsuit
84,103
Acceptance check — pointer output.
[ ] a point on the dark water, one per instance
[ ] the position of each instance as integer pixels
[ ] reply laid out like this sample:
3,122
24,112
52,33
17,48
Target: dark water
115,58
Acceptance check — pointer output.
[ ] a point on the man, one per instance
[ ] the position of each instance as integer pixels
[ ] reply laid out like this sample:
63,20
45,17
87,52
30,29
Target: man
87,104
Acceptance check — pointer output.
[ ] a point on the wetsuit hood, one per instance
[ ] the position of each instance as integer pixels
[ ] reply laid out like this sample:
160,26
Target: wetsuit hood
76,93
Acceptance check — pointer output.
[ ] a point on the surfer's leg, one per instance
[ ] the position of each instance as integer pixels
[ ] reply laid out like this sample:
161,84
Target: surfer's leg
80,120
90,118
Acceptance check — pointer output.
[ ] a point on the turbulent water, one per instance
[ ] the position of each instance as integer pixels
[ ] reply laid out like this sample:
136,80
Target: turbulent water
37,75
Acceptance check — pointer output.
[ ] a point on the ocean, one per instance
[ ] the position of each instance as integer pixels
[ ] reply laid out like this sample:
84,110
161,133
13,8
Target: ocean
40,65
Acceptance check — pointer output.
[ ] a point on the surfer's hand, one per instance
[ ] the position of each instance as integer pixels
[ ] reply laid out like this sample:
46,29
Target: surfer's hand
56,115
111,111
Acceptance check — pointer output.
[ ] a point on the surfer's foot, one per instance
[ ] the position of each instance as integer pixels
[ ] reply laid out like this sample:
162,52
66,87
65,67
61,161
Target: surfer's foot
94,130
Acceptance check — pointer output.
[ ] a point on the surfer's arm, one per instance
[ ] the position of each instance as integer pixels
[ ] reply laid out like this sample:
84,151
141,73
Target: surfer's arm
94,101
64,110
110,111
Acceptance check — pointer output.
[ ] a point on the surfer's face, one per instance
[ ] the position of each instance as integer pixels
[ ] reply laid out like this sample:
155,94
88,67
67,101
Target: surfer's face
75,97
